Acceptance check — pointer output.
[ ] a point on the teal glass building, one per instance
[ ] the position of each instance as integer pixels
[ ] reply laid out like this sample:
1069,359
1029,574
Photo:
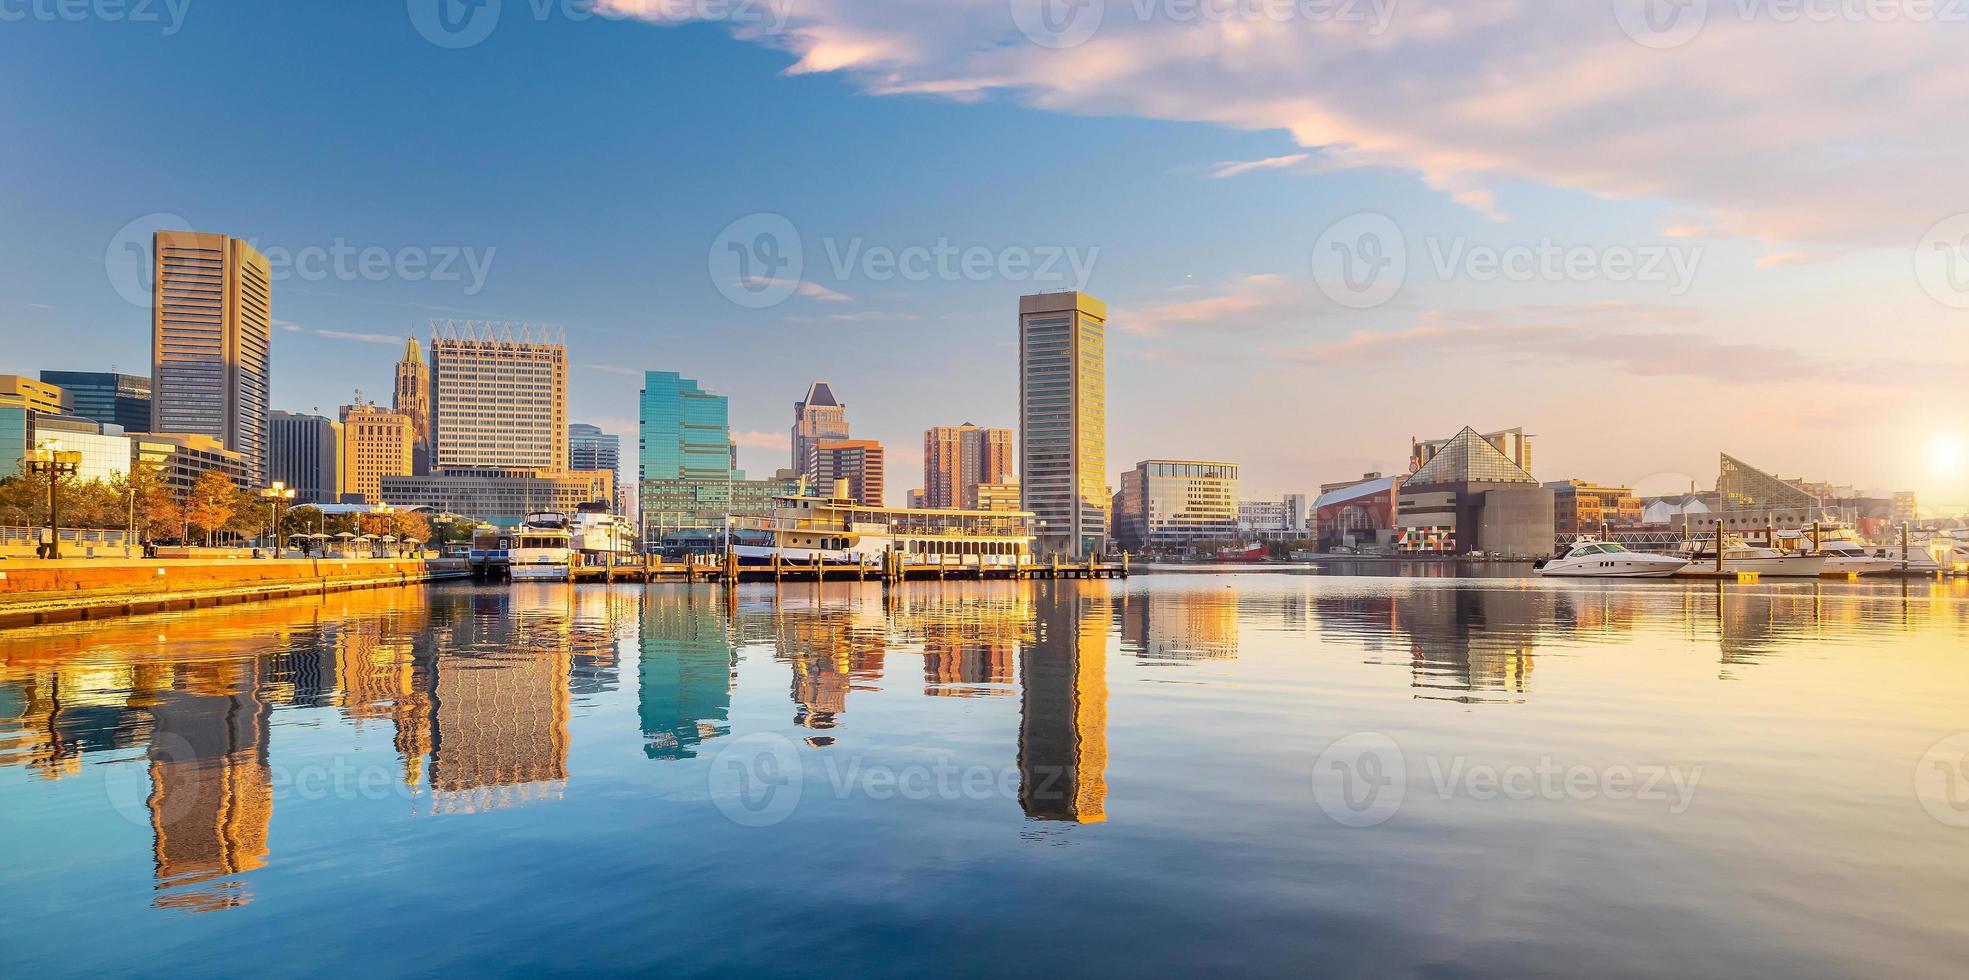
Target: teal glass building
685,432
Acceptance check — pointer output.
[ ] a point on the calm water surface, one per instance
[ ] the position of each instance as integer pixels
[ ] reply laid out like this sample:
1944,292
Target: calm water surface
1264,772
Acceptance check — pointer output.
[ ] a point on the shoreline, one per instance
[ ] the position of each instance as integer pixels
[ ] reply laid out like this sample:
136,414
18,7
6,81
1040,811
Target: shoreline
47,592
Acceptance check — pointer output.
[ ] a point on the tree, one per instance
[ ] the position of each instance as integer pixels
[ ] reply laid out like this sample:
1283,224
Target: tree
212,502
408,526
159,514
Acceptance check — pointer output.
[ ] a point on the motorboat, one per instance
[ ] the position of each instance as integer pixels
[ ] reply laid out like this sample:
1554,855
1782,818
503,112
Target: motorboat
543,550
1852,558
1739,558
1605,559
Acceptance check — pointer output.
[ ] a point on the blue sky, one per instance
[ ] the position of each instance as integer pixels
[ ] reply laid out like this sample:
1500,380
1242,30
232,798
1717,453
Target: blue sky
591,165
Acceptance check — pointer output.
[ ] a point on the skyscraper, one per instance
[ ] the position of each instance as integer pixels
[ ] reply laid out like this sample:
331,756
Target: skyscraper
589,448
412,398
685,430
498,400
1063,420
684,457
958,458
858,461
305,453
106,396
211,340
817,418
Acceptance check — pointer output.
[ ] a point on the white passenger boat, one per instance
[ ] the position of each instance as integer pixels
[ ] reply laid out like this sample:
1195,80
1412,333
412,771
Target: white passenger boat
602,539
842,532
1601,559
543,550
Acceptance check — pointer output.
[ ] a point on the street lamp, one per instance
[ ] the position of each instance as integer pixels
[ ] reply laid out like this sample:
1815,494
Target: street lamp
275,496
49,458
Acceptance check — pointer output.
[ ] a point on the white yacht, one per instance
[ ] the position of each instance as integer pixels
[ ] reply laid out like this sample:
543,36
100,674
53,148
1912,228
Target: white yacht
603,539
1604,559
542,551
1851,557
1763,562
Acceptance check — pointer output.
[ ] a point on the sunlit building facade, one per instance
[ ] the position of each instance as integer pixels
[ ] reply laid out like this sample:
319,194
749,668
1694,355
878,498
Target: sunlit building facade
180,459
375,444
1171,504
498,399
1579,507
861,462
211,342
958,459
1063,420
34,395
411,397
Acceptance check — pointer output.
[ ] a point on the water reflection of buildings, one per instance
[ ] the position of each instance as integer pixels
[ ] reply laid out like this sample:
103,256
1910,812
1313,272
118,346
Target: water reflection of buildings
1063,716
1180,628
833,648
1474,643
211,796
500,695
685,675
968,641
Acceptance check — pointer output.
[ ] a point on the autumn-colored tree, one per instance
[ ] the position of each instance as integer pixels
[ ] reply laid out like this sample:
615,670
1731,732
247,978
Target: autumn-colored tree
213,502
159,515
409,526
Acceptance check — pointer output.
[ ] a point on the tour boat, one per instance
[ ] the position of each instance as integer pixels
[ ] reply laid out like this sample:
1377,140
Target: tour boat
543,550
838,531
1603,559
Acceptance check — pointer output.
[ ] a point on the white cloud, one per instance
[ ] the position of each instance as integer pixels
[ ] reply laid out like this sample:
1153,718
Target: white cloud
1231,168
1831,131
817,291
611,369
361,338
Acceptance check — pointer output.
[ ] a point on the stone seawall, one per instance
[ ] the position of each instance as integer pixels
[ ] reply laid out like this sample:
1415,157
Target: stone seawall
35,592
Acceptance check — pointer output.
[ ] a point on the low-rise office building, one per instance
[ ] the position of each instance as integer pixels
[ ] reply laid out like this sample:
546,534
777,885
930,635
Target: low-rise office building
180,458
1171,504
499,495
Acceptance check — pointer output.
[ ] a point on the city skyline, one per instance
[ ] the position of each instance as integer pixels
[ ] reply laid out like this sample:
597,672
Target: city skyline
1217,309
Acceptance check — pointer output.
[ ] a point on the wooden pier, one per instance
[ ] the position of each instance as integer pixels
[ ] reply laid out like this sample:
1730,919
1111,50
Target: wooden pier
726,570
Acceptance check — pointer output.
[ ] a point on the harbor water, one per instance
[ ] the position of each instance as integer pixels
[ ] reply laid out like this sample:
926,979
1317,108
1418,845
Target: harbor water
1280,773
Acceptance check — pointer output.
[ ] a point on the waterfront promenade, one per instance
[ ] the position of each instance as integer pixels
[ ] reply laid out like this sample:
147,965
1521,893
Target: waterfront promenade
35,592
